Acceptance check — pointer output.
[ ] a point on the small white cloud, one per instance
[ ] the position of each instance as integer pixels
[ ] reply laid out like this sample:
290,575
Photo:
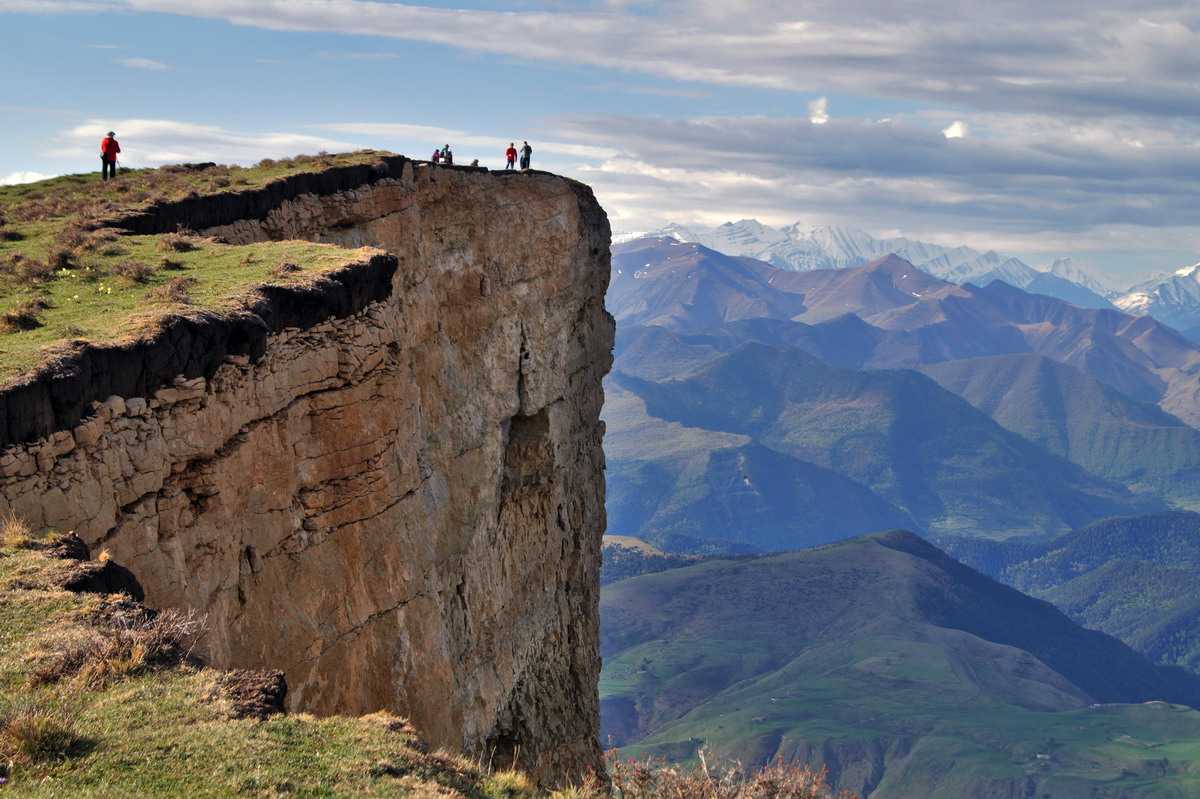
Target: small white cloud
23,177
818,111
143,63
956,130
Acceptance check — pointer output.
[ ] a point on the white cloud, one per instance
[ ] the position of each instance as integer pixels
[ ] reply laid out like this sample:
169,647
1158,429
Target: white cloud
153,142
143,63
955,130
407,135
818,111
1089,58
1024,182
17,178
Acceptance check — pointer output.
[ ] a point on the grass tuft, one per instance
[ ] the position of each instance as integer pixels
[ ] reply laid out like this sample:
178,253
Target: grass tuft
176,290
134,271
35,733
15,532
508,785
101,656
177,242
25,315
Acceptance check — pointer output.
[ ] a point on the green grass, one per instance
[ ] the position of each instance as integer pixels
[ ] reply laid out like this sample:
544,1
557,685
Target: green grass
863,658
92,299
135,189
163,733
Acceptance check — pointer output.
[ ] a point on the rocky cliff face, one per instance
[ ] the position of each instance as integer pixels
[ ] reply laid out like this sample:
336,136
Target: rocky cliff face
389,486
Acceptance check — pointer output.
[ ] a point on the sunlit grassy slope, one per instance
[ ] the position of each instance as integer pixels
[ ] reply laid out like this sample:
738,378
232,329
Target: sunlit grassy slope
904,672
64,276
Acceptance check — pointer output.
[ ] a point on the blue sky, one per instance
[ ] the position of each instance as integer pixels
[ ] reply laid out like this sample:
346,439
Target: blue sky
1036,129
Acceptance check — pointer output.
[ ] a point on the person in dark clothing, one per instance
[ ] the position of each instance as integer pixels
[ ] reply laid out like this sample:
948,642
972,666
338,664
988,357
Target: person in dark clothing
108,156
447,156
510,156
526,155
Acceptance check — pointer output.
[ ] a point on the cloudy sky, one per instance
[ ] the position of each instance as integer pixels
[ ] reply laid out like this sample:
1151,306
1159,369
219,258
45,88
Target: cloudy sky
1036,128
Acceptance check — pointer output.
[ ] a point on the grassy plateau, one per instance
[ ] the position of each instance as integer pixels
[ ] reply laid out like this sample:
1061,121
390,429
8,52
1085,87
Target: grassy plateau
65,275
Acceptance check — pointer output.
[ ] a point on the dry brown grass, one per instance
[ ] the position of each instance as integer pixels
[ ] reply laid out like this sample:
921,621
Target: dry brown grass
284,269
134,271
15,531
177,242
648,780
125,646
32,733
25,315
27,270
175,290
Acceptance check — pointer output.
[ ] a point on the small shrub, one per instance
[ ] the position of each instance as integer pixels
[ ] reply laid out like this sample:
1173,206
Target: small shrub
284,269
25,316
72,236
266,163
134,271
15,531
508,785
176,242
98,657
61,258
11,235
646,780
175,290
36,734
27,270
168,264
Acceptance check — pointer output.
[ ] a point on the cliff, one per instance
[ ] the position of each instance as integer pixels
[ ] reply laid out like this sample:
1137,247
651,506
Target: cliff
387,483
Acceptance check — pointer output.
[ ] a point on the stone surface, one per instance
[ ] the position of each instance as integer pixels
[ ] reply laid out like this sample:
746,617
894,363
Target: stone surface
400,507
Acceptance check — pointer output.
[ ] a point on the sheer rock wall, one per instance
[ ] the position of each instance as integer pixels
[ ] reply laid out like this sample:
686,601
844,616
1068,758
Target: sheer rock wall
396,495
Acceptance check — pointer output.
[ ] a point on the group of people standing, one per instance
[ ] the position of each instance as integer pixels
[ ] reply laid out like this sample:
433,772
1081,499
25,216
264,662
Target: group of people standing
444,155
510,155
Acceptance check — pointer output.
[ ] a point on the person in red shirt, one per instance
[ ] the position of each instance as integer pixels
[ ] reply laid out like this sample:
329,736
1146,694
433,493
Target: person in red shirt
108,156
511,155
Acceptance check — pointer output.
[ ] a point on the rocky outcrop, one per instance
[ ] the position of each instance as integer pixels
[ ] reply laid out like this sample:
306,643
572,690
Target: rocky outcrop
397,501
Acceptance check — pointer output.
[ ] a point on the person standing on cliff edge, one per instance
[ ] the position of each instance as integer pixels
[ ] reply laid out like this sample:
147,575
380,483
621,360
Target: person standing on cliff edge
108,156
510,156
526,155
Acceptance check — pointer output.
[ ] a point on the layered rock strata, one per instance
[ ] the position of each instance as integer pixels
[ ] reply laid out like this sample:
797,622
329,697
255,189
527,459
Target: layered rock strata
390,484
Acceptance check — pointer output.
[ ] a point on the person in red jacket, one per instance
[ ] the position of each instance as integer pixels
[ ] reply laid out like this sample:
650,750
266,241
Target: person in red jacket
511,155
108,156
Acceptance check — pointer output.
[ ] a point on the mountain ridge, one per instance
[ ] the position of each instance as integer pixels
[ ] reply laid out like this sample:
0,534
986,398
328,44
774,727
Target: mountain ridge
798,247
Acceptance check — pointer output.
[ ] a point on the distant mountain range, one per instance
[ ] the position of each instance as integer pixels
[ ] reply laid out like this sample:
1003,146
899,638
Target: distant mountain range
803,248
1171,299
904,672
1137,579
759,408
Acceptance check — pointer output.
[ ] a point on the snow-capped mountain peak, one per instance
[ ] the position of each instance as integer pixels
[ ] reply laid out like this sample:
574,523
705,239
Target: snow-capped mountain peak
1172,299
802,247
1067,269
